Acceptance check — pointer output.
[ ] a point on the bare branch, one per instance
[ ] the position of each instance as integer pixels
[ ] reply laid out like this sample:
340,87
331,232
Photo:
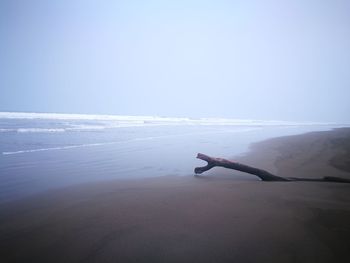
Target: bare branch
212,162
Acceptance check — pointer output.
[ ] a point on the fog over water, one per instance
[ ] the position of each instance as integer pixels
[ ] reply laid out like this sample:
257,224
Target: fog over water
161,81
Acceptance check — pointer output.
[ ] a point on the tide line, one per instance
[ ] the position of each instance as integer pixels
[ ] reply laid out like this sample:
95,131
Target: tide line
123,142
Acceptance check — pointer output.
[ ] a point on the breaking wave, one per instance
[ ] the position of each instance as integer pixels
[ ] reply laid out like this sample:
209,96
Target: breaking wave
115,121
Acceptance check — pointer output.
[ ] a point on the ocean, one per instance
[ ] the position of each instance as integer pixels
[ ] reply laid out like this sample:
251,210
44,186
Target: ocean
42,151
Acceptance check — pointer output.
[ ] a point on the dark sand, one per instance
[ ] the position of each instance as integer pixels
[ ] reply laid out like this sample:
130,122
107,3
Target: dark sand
222,216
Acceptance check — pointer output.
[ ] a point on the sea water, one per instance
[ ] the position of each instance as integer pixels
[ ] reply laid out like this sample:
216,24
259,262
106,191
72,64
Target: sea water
41,151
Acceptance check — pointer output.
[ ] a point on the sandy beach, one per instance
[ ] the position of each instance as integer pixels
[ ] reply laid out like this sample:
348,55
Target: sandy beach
221,216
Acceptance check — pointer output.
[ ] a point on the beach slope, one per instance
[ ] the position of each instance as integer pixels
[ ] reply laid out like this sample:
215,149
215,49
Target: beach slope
222,216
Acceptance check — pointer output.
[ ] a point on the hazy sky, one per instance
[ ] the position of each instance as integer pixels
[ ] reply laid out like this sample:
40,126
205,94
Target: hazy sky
287,60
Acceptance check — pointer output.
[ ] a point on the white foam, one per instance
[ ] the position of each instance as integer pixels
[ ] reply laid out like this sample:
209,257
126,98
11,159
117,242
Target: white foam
114,121
24,130
83,127
54,148
7,130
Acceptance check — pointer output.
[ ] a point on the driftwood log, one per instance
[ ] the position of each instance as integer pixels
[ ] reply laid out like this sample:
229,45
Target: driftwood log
262,174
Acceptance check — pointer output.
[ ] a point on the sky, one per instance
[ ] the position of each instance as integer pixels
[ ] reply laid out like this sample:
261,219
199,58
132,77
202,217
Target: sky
250,59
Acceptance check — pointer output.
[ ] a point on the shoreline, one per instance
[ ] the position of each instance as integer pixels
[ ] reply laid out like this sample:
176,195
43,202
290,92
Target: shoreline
222,216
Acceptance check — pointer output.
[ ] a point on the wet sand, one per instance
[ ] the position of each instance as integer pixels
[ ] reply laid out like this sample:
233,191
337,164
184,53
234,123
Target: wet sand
222,216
